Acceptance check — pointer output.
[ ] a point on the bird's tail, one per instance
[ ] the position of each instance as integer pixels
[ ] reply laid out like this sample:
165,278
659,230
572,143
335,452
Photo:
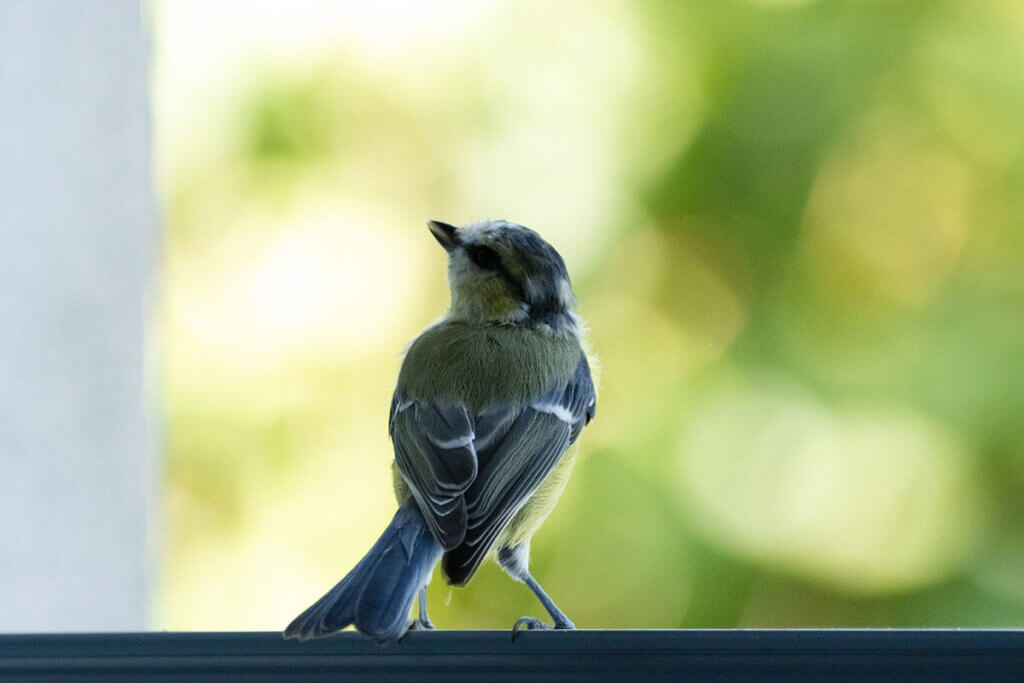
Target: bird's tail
377,594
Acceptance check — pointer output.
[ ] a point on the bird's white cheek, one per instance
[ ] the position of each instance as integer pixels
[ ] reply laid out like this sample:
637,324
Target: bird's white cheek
565,294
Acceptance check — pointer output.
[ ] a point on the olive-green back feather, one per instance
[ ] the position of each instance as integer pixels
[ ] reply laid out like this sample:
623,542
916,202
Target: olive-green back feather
477,365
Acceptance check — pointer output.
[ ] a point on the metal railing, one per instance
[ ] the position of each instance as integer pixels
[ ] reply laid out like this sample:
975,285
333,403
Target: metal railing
733,655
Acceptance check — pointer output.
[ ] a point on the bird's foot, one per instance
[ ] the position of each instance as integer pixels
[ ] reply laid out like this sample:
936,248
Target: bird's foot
421,625
528,624
535,624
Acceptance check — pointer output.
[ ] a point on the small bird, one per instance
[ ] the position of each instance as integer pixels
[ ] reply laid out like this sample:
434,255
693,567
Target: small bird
485,418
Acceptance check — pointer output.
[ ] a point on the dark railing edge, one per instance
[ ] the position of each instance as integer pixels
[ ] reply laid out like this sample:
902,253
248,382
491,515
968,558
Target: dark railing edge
906,654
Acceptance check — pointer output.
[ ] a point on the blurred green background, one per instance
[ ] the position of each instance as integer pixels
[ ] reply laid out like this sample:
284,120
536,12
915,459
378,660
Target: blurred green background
796,230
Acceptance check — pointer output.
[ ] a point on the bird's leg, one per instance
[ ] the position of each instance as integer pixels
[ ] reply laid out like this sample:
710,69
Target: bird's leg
557,615
422,622
515,562
421,603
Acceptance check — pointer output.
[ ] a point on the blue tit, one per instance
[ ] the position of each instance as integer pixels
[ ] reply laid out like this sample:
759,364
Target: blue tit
485,418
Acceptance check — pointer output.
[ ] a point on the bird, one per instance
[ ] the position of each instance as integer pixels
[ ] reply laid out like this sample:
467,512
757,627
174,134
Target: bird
485,423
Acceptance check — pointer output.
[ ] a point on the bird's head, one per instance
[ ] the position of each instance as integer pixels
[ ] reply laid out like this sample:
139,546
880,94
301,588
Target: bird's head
503,273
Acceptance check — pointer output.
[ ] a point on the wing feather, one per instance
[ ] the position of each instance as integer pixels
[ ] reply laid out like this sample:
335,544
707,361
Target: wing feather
435,453
517,446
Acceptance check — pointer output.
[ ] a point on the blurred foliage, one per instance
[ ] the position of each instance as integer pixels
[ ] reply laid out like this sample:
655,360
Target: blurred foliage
796,230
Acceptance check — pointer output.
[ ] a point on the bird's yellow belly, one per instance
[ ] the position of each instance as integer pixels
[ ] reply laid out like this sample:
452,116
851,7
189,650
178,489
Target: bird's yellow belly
529,518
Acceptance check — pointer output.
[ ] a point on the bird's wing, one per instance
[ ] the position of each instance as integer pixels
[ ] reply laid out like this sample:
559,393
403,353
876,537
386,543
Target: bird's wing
435,454
517,445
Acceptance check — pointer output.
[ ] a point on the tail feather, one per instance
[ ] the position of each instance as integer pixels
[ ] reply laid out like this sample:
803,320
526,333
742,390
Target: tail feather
378,593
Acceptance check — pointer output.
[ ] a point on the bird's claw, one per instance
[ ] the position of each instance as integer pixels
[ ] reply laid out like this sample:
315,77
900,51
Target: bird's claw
421,625
535,624
528,624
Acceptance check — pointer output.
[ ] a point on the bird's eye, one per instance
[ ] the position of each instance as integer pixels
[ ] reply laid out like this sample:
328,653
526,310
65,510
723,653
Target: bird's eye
483,257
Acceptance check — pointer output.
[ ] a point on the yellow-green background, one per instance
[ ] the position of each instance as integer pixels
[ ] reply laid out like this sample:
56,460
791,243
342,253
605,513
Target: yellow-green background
796,231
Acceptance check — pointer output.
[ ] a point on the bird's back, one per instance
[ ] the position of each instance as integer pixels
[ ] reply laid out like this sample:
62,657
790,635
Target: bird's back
477,364
519,443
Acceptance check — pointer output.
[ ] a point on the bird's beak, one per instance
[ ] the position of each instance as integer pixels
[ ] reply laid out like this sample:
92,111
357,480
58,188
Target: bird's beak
447,235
